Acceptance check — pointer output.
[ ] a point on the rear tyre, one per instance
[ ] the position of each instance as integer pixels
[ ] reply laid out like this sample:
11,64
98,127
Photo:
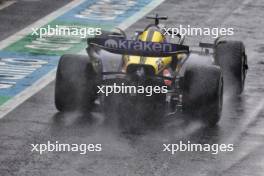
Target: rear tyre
203,93
231,57
75,86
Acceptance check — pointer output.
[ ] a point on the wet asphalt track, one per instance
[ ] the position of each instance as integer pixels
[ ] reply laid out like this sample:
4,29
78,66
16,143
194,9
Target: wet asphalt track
37,121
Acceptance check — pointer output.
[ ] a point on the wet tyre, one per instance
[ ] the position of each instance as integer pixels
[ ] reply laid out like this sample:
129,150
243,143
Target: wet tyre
231,57
75,86
203,93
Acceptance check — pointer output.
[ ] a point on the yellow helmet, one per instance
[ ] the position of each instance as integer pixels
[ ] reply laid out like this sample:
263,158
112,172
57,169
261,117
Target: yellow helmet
151,35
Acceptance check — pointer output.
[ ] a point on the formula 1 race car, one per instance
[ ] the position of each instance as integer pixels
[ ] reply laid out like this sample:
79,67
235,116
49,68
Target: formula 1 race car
194,79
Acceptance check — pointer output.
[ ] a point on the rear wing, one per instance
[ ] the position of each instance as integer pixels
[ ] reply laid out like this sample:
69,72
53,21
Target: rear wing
136,47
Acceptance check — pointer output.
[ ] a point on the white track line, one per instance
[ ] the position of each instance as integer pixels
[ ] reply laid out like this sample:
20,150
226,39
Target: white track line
19,35
45,80
6,4
27,93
